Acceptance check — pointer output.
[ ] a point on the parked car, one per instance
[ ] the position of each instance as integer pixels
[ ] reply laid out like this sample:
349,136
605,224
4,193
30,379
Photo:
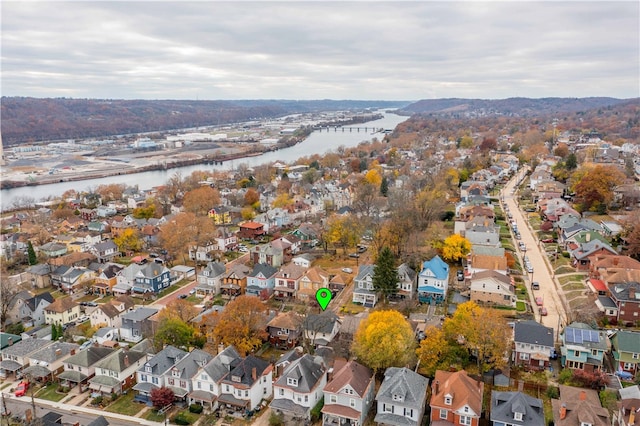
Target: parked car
539,301
356,255
21,390
535,285
192,291
347,270
460,275
523,246
530,269
543,311
547,240
182,296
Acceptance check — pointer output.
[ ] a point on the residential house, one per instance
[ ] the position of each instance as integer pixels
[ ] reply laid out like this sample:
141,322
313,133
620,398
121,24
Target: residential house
151,278
433,281
284,329
39,275
625,348
225,239
338,282
34,308
363,290
105,315
267,254
105,252
48,362
15,357
62,311
286,282
246,386
107,278
456,398
304,260
126,278
603,266
401,398
234,282
17,309
515,409
7,340
152,374
261,281
308,234
179,377
313,280
210,279
320,329
53,249
204,252
478,262
579,407
299,388
406,282
136,324
81,367
493,288
349,395
582,347
206,384
221,215
533,345
581,256
483,234
106,336
251,230
624,305
627,411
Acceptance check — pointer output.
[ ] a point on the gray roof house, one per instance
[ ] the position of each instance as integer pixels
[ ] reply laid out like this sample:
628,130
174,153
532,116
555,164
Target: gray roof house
152,374
247,385
136,323
178,378
363,291
401,398
206,384
49,361
16,356
320,329
81,366
533,345
299,388
116,372
210,279
516,408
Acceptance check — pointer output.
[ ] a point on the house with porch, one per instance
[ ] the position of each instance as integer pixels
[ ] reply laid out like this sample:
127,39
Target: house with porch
210,279
261,281
136,324
299,388
267,254
107,278
583,347
151,278
15,357
62,311
516,409
105,251
533,345
152,374
48,362
311,281
248,384
285,329
456,398
32,312
251,230
320,329
363,290
401,398
286,281
581,256
234,283
116,372
206,384
79,368
349,394
180,376
433,281
625,349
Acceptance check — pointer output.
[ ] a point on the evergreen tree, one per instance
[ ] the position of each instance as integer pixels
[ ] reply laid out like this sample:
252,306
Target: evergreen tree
572,162
54,332
384,186
385,274
33,259
60,332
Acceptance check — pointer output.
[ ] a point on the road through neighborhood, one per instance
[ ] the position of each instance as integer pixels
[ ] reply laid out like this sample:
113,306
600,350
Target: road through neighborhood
552,300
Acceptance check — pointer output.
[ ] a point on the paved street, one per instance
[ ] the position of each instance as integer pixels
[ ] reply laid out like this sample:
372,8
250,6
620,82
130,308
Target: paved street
556,316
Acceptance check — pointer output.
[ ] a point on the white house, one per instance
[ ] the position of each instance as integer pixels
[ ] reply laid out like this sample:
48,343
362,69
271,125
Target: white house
206,384
246,386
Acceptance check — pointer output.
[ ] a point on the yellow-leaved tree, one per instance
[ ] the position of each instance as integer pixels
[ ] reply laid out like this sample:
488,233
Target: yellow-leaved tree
242,324
455,247
432,350
384,339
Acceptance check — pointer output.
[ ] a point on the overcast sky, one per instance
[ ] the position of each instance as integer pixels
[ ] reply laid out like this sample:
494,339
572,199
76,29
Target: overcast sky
320,49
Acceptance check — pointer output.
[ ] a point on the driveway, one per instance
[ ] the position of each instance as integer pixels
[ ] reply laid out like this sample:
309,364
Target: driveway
549,288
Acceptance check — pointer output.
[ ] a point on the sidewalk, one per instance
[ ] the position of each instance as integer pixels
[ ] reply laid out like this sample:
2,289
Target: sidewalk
70,408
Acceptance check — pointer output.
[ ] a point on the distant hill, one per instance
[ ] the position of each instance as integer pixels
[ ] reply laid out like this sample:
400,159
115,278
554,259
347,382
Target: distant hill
34,119
523,107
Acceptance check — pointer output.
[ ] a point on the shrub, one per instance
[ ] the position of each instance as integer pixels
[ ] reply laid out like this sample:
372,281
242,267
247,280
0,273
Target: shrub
553,392
180,419
196,408
316,412
276,419
97,400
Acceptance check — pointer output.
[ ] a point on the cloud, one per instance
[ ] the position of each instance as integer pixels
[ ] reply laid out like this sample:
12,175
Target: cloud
313,50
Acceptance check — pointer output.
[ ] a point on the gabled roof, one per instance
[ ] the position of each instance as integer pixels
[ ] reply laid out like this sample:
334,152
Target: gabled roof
263,269
34,301
307,371
364,271
626,341
215,269
243,372
25,347
533,333
54,351
286,321
320,323
491,274
505,404
351,374
437,266
582,406
109,310
120,360
222,363
404,383
89,356
62,305
189,365
140,314
164,360
463,389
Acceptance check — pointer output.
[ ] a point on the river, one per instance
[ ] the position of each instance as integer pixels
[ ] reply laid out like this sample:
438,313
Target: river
319,142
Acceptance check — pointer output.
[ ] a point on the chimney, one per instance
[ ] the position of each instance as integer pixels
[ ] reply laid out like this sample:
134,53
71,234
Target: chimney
58,353
616,260
220,347
254,374
588,237
126,360
437,387
632,416
583,395
563,411
10,340
72,352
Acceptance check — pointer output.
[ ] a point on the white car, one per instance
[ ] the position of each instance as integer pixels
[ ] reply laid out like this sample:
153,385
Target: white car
347,270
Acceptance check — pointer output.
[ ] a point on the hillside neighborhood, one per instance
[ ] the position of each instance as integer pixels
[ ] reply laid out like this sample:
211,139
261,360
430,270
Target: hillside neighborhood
485,278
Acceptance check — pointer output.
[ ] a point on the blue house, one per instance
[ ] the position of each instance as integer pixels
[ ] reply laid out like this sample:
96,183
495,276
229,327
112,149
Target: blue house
152,277
433,281
261,281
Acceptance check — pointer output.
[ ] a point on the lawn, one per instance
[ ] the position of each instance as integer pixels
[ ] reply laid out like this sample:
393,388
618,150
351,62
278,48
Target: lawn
352,308
189,416
105,299
520,306
154,416
125,405
573,286
49,393
572,277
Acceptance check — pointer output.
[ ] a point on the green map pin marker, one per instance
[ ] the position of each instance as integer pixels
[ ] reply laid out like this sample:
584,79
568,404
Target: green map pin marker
323,296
